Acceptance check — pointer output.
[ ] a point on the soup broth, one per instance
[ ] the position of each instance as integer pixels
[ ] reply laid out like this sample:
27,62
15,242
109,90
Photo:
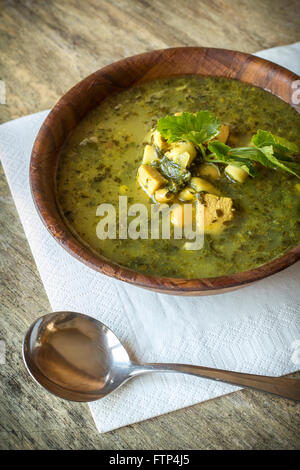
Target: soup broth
100,160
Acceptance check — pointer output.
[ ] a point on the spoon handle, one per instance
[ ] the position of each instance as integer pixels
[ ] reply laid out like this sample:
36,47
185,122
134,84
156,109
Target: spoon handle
282,386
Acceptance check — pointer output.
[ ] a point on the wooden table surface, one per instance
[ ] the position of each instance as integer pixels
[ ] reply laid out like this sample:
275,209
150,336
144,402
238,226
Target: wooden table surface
45,48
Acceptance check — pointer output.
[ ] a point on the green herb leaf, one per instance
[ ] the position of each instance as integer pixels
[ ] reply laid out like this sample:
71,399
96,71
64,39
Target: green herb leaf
244,157
269,150
177,176
277,152
221,153
280,145
273,162
197,129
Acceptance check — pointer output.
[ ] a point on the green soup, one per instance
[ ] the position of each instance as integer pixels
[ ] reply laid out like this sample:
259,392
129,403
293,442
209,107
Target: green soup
100,160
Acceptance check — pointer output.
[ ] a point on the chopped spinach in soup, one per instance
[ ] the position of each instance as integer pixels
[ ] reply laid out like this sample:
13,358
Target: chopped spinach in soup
118,147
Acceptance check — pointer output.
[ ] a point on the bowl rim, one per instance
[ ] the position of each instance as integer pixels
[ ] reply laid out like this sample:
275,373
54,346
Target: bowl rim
65,237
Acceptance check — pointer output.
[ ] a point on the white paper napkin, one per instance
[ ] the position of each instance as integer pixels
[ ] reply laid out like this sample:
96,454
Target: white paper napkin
254,329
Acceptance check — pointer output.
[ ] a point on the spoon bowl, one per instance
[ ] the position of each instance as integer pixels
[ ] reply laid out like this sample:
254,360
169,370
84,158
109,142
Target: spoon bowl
78,358
75,356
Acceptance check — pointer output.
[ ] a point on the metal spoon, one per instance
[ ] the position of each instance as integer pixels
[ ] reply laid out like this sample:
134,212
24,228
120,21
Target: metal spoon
78,358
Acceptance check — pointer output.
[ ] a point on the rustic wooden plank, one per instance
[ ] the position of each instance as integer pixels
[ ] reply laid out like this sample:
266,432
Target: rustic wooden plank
46,47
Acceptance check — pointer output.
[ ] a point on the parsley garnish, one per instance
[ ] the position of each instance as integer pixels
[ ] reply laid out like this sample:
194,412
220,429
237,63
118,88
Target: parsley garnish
266,155
222,153
198,128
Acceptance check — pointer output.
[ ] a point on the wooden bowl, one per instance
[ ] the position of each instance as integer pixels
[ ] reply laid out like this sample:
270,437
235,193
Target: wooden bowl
114,78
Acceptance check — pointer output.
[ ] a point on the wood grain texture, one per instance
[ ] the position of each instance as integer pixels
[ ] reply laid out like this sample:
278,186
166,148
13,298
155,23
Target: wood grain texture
112,79
46,47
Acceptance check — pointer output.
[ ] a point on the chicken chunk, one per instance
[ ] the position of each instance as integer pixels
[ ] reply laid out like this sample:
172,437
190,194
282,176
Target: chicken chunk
237,174
224,133
150,179
158,141
149,155
210,170
163,195
218,212
181,159
200,184
182,153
